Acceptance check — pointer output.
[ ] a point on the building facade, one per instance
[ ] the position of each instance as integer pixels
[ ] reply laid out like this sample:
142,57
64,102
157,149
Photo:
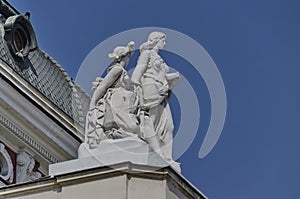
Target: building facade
42,110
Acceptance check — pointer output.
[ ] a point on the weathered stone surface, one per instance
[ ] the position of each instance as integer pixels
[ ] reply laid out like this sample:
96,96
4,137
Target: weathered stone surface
108,153
26,168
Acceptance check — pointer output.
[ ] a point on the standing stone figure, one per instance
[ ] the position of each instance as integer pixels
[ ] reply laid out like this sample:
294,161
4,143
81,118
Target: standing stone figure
113,107
151,77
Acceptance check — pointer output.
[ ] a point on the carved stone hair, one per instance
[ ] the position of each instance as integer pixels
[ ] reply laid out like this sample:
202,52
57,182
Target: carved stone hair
153,39
121,51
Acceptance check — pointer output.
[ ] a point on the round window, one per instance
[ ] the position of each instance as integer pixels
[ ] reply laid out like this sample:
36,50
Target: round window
19,36
20,39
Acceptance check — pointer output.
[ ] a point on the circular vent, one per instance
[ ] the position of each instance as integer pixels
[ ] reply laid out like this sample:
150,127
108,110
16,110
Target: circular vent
20,36
20,39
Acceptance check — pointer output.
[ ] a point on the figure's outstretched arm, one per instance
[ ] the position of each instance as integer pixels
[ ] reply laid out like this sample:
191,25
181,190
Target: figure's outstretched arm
105,84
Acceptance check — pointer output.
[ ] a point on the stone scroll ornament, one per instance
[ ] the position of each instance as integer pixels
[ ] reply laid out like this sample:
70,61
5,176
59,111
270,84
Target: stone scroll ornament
138,107
26,168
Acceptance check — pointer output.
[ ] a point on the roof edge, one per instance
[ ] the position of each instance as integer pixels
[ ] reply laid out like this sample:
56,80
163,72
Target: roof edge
7,9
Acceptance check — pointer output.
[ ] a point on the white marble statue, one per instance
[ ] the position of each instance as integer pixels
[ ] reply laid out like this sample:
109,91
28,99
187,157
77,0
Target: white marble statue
113,108
152,78
137,108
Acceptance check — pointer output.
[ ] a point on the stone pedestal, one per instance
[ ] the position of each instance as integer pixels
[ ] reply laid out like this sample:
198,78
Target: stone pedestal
121,169
111,152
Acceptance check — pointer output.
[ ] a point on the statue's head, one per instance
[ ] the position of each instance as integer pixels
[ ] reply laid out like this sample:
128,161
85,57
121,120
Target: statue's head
156,36
155,40
121,52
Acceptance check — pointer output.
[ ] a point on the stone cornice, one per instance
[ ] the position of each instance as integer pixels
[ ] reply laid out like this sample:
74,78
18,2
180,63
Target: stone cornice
27,139
39,101
125,168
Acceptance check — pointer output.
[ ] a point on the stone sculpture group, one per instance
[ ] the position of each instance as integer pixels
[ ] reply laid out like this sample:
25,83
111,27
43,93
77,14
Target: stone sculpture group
134,107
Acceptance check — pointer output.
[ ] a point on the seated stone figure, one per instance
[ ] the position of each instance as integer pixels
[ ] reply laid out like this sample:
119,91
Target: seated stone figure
113,108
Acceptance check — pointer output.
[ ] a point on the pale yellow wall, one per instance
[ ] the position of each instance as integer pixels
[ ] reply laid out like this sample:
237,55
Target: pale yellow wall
111,188
42,195
146,188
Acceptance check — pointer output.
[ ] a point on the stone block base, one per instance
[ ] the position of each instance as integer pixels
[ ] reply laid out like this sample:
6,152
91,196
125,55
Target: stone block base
111,152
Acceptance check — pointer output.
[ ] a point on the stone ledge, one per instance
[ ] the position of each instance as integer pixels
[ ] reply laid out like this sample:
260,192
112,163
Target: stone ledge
123,180
110,152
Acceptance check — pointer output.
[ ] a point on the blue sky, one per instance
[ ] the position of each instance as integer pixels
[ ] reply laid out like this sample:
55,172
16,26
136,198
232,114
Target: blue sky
255,45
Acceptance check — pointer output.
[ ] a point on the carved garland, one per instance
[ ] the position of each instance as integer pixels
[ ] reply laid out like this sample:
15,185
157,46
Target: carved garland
25,138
